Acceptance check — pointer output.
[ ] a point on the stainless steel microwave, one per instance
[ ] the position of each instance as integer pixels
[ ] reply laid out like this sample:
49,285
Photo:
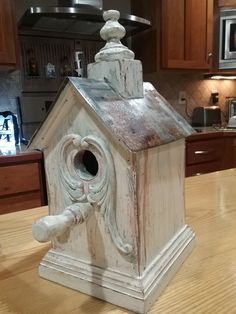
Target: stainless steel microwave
227,40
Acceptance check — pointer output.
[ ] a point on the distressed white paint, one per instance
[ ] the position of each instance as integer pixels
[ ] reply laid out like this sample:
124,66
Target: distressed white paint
72,118
98,190
56,225
125,76
114,62
149,214
112,32
134,292
142,192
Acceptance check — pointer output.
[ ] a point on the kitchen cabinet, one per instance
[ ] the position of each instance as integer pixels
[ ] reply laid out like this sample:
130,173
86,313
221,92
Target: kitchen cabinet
203,155
208,152
22,182
187,34
229,153
181,36
8,46
145,44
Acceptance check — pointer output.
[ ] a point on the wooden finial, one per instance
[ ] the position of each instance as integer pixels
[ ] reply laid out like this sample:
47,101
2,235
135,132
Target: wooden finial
115,63
112,32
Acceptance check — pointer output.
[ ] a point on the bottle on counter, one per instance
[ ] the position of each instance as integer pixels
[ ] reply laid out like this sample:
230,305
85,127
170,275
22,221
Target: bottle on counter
50,70
32,68
79,69
65,68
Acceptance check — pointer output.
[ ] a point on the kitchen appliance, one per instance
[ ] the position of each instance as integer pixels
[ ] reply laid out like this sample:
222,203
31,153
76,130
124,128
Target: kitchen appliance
33,108
82,18
227,42
232,122
231,107
79,68
206,116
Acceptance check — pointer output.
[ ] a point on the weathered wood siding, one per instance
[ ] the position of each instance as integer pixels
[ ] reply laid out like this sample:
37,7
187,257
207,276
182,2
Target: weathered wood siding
90,241
160,197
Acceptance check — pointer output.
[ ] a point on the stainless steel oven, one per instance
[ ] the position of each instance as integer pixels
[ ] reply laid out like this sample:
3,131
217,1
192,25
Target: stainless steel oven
227,42
33,109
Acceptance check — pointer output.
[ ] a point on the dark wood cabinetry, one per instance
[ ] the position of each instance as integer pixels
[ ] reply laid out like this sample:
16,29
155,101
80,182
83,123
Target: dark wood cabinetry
146,44
8,46
229,152
182,33
210,152
187,34
203,155
22,182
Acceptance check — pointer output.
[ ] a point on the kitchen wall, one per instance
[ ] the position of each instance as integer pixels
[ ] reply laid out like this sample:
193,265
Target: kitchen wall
198,90
10,84
10,88
168,83
122,5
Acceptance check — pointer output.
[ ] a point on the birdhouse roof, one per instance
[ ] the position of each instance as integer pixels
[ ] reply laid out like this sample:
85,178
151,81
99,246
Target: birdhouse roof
139,123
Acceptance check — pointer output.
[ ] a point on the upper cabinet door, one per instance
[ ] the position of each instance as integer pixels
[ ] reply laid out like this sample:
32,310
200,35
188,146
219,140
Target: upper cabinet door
187,34
7,34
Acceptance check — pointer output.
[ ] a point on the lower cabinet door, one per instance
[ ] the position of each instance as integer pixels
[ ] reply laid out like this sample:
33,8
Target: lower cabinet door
22,182
197,169
20,202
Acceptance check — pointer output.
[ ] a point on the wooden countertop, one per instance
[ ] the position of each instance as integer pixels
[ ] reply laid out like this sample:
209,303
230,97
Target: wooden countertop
206,283
210,132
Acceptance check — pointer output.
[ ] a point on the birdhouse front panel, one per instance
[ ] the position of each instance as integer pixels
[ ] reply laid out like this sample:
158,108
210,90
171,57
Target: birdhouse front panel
84,163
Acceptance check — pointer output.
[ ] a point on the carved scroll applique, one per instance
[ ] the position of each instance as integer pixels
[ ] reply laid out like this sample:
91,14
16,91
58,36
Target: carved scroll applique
97,189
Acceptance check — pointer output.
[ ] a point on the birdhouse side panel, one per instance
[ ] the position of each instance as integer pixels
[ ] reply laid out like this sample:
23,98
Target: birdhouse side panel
83,157
160,177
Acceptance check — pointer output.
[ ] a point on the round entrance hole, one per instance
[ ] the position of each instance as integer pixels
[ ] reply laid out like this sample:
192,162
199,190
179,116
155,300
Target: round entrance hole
87,163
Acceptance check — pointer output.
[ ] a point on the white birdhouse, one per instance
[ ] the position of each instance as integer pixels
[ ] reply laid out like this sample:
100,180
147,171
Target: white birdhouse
114,154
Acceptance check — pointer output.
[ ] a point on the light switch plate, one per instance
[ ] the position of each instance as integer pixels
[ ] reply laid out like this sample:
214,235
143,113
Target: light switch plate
182,98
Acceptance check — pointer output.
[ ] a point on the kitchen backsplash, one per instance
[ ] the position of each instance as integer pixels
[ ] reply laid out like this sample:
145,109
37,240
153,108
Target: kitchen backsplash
168,83
10,88
198,90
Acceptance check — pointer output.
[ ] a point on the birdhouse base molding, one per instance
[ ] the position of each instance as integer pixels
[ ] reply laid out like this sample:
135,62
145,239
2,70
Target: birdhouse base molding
136,293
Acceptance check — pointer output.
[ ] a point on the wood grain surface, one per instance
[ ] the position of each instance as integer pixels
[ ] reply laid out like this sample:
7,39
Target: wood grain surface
206,282
22,181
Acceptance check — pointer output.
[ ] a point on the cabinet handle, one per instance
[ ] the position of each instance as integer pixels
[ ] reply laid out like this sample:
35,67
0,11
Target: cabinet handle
201,152
209,56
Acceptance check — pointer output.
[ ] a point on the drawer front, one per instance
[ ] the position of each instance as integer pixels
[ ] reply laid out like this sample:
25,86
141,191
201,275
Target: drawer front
20,202
194,170
19,179
203,151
